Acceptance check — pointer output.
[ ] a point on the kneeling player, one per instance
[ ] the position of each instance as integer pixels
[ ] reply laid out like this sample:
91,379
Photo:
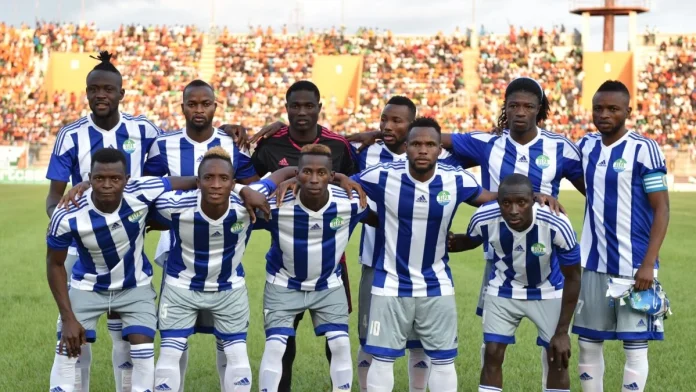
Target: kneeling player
534,252
211,228
309,233
112,273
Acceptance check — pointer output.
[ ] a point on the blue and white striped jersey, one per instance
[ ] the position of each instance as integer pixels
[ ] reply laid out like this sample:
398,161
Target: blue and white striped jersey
72,155
618,215
414,219
110,246
306,245
546,160
368,157
527,264
207,255
176,154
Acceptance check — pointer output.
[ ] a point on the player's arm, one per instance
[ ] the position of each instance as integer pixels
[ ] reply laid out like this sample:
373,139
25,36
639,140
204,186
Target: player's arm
244,172
55,194
461,242
483,197
572,166
568,253
371,219
579,184
257,160
659,202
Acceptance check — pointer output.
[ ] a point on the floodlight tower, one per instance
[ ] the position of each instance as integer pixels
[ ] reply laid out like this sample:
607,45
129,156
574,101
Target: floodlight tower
609,9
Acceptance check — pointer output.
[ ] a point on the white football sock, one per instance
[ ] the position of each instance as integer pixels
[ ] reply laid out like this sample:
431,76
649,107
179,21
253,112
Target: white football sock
443,376
62,371
380,377
120,356
544,368
486,388
143,357
591,364
364,361
636,368
483,354
341,368
272,363
183,365
237,369
168,373
220,362
82,368
418,370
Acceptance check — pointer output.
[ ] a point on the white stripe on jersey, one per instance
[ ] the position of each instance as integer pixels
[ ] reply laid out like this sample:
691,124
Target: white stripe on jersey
527,264
371,156
208,253
414,217
306,245
618,215
75,144
110,246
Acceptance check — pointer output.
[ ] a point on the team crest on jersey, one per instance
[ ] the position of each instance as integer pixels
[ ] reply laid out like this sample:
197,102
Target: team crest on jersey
539,249
443,198
237,227
543,161
135,217
619,165
129,146
336,223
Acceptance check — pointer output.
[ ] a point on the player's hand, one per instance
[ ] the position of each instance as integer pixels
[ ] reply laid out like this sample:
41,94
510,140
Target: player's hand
255,200
552,202
284,187
559,350
454,242
349,186
644,277
267,131
72,337
73,195
238,133
365,138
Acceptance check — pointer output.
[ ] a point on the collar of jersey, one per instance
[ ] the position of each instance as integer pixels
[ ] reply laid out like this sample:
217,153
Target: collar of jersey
309,211
616,143
208,219
535,208
186,136
525,146
96,127
94,208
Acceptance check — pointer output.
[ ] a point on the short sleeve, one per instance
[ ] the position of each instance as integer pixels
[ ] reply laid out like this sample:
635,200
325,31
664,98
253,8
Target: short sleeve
267,187
448,158
360,158
148,189
59,236
369,181
651,167
565,241
62,158
572,163
257,160
168,201
467,187
470,146
474,230
156,164
243,166
348,166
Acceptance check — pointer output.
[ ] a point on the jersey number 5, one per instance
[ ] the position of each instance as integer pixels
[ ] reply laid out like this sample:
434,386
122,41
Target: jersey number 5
163,311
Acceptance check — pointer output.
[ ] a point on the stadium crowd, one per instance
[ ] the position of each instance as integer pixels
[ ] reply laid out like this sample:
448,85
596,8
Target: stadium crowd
253,71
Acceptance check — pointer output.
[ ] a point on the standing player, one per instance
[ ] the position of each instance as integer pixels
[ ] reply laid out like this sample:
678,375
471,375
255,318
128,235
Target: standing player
211,229
284,149
626,220
543,156
396,116
537,275
112,272
178,154
416,201
309,233
71,161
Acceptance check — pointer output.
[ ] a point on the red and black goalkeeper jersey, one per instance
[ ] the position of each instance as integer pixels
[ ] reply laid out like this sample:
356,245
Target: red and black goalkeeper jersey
280,150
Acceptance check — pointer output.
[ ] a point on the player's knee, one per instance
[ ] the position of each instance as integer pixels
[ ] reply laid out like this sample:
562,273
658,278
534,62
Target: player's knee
113,316
137,338
494,355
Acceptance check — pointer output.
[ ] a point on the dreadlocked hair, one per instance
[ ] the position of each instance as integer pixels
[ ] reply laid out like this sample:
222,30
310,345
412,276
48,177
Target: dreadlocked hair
527,85
105,64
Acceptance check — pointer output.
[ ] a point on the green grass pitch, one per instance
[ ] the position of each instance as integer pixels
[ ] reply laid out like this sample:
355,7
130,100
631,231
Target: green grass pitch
28,312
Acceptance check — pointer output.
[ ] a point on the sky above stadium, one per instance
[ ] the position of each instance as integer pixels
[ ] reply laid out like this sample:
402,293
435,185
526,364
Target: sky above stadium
400,16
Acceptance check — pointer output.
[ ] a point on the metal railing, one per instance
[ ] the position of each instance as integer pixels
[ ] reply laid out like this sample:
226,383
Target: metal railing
576,4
